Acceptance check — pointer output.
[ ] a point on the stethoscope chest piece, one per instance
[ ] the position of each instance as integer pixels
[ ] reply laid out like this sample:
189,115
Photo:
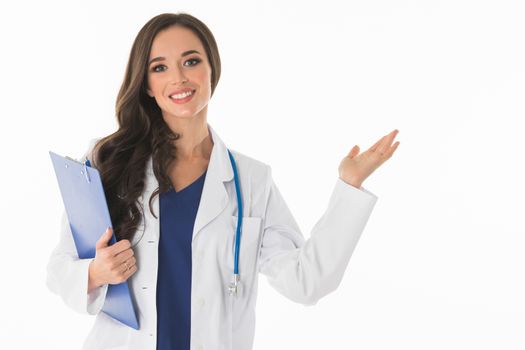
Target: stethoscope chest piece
235,285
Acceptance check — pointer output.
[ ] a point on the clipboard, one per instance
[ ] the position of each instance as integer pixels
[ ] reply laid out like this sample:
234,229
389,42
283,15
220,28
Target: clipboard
88,214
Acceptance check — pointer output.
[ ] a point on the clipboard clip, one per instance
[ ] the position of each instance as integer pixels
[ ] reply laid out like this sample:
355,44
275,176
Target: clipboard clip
86,164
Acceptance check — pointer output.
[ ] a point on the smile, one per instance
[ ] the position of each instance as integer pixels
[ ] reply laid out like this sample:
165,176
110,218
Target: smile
183,97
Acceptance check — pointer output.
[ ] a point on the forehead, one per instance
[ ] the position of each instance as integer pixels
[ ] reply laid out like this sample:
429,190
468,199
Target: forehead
174,41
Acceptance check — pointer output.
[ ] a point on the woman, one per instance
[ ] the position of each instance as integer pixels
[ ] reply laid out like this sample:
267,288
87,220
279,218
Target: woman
171,192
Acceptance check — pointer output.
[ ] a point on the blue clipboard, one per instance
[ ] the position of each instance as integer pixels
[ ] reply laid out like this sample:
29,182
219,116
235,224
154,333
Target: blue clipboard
88,215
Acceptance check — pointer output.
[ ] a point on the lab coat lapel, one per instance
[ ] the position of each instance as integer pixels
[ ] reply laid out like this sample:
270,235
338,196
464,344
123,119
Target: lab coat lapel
214,198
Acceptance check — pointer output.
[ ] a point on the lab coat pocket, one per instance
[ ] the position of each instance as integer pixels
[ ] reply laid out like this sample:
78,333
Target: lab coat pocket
249,243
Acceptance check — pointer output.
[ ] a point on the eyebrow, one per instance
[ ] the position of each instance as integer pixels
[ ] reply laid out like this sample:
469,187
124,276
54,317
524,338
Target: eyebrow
185,53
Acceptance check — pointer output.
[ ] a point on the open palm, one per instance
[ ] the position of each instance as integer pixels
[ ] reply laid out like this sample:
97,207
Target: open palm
356,167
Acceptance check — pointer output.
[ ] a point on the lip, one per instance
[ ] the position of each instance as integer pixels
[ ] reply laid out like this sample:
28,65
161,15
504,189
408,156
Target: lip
183,100
180,91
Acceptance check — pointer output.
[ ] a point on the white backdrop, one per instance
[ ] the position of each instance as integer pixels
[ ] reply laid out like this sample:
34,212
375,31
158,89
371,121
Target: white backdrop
440,263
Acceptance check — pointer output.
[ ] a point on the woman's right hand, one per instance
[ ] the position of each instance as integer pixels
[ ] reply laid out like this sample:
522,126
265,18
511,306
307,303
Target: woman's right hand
112,264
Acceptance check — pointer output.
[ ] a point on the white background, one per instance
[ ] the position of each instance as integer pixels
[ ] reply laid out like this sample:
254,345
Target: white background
440,263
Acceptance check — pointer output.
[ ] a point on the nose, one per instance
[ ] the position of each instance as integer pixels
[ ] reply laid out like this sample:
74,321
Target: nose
178,76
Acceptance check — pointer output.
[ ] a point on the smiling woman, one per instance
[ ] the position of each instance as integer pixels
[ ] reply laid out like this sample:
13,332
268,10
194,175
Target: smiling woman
185,275
172,53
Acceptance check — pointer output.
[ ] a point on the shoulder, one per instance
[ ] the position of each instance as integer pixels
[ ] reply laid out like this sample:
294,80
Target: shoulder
256,173
250,165
255,177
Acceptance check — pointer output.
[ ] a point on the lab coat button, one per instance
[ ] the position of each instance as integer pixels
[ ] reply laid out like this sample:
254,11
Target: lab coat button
201,302
200,347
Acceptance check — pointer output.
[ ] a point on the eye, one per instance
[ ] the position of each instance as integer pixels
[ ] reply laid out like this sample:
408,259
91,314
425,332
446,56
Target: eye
155,68
196,60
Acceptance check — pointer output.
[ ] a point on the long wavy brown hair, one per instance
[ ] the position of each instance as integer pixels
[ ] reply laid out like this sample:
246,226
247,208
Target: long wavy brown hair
121,157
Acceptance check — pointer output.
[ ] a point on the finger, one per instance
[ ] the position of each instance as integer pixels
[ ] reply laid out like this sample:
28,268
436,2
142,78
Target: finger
119,247
375,145
353,152
387,142
124,268
129,272
128,264
392,149
104,239
124,255
123,273
378,143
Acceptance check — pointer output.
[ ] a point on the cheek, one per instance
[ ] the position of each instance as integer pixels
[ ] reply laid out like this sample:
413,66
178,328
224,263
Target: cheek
205,79
204,76
154,83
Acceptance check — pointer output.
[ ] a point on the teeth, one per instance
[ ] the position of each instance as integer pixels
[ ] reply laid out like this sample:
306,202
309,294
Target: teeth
183,95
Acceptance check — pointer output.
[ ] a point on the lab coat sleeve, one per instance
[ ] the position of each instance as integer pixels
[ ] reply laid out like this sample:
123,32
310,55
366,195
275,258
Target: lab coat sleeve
67,275
305,271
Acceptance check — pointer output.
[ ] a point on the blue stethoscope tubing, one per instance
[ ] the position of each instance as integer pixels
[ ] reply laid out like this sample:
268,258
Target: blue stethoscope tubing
232,288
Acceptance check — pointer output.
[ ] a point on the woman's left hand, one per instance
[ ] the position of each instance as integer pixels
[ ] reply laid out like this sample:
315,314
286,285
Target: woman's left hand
355,167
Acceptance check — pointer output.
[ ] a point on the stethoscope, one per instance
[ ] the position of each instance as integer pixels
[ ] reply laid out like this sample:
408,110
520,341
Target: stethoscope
233,286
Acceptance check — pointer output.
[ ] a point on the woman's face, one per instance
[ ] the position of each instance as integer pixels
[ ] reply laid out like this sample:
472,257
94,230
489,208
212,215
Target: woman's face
178,64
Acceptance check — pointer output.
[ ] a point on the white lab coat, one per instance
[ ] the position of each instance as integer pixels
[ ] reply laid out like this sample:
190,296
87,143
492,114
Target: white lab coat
272,243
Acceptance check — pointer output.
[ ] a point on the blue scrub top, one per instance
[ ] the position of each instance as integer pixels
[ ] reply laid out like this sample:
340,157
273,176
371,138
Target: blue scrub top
177,218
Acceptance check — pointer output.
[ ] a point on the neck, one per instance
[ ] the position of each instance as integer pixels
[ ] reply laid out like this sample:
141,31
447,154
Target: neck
195,142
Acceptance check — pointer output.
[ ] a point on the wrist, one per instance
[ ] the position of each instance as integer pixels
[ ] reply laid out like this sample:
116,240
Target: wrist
352,181
92,280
